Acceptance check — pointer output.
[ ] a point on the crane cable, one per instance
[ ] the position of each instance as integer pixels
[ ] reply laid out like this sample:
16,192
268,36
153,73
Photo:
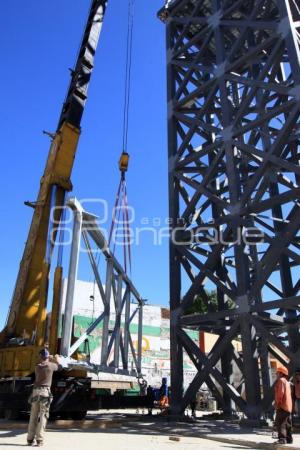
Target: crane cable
121,202
128,66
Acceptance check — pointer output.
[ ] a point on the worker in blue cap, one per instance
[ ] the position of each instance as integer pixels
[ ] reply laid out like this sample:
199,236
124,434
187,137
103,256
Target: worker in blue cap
41,397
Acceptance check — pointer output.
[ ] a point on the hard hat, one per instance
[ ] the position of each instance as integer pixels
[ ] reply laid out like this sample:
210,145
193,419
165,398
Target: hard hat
283,370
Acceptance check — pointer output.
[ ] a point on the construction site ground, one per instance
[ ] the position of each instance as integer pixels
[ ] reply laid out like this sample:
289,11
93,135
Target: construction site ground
128,430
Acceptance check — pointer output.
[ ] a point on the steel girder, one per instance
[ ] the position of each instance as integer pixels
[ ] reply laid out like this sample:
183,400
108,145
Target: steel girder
121,301
233,74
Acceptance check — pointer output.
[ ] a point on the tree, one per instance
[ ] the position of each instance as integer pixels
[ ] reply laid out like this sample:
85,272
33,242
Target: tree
209,303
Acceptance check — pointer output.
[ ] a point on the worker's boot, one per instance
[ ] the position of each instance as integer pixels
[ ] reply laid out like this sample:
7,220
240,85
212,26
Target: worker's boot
39,443
30,442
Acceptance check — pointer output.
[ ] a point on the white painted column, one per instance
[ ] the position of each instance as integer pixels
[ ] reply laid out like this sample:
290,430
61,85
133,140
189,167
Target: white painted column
72,277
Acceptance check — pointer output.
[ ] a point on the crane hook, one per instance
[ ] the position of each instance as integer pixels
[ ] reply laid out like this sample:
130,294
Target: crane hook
123,162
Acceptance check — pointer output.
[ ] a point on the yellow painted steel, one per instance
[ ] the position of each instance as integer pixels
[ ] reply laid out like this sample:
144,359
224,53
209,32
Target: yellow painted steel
27,316
18,361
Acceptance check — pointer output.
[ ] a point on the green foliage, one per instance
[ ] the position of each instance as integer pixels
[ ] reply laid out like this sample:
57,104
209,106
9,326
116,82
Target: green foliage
204,305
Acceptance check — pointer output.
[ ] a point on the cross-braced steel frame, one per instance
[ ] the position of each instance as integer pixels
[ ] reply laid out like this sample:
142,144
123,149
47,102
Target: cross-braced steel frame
233,73
121,301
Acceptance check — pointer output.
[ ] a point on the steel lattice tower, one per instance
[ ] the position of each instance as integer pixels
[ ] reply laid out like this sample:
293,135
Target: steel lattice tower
233,69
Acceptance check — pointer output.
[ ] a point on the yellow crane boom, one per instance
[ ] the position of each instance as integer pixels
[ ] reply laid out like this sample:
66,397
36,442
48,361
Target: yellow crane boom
24,332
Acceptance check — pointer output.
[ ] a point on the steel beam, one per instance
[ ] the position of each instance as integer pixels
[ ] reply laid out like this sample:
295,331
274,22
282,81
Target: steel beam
127,301
72,277
233,76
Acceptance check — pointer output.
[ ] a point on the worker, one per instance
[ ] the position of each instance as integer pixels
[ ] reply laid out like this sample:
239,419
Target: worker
193,406
143,387
150,399
283,407
41,397
297,392
163,396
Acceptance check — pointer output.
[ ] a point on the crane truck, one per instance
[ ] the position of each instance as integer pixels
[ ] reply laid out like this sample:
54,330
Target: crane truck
24,333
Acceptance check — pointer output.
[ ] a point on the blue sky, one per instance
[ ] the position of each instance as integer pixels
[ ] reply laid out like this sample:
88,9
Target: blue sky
39,44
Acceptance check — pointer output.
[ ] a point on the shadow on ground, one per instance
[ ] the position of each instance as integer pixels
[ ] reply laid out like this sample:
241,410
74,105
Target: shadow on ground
10,434
163,426
217,430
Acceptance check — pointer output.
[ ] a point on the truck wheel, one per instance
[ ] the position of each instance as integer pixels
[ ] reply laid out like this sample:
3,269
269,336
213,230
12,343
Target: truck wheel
78,415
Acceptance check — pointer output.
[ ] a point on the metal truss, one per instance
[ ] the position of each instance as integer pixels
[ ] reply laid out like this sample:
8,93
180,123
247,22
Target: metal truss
117,343
233,70
74,103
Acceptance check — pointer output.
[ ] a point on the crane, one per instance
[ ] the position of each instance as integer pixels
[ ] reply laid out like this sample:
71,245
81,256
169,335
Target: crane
27,316
27,326
24,332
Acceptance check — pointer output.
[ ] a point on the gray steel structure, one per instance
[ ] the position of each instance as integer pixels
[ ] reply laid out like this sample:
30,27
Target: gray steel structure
76,97
117,343
233,74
